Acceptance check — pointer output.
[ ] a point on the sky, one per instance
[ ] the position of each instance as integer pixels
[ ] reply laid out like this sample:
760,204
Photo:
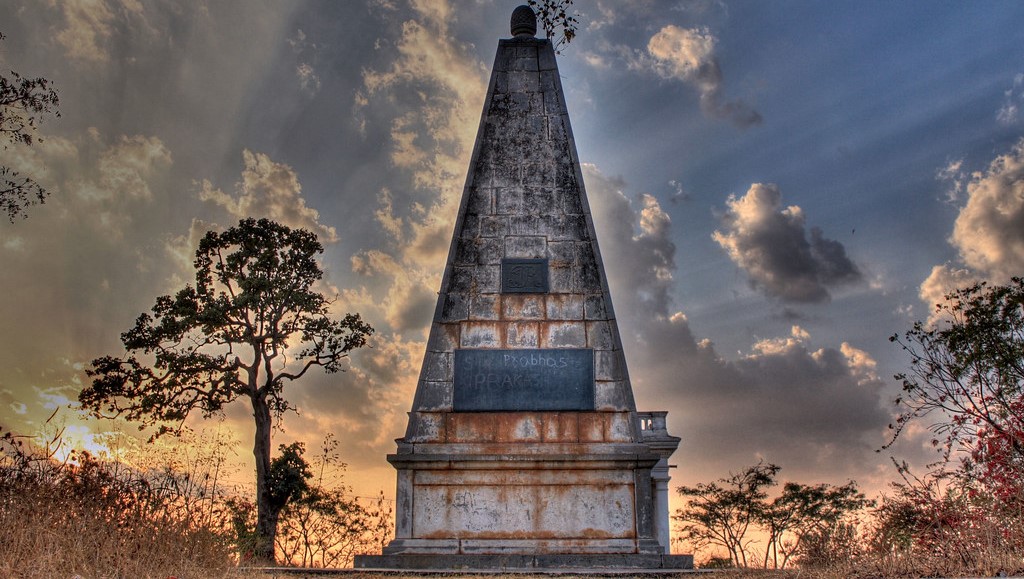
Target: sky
777,188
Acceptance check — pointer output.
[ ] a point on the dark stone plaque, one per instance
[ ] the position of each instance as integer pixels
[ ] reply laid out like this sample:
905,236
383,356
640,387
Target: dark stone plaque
525,276
530,380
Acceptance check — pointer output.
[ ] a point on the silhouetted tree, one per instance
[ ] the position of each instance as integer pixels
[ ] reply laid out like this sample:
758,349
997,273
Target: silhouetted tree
722,514
728,513
287,480
805,514
251,325
23,103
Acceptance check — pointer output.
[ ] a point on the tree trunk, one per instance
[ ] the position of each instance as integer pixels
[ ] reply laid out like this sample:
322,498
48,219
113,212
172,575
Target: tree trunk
266,514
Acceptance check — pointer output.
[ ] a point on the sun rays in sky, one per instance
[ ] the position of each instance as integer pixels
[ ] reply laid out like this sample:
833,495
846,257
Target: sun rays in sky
776,188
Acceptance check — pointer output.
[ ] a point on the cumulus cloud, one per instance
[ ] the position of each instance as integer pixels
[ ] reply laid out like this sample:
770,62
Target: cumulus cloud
89,25
942,281
127,167
817,411
989,231
688,54
771,245
269,189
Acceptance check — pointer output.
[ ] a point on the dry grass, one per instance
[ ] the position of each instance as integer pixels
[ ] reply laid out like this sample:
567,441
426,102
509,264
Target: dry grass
48,535
90,520
85,521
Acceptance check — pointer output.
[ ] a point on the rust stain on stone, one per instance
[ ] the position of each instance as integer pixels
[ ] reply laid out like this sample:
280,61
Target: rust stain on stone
592,427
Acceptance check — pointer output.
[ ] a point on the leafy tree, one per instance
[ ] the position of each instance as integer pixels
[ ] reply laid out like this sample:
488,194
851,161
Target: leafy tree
325,526
967,378
251,325
726,513
967,371
321,524
559,23
722,514
23,102
288,479
805,514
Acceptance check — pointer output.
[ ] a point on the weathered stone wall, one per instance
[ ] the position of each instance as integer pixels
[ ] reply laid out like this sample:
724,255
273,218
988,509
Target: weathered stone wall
524,198
502,504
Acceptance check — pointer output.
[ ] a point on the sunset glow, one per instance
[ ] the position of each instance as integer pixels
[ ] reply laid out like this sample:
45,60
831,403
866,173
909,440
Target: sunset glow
777,188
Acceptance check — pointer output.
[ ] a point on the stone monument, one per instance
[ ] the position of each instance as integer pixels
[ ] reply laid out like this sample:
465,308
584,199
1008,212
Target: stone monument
524,448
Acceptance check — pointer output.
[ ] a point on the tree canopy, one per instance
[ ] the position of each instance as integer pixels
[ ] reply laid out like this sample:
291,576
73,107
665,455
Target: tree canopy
24,102
721,513
967,371
967,379
252,323
734,512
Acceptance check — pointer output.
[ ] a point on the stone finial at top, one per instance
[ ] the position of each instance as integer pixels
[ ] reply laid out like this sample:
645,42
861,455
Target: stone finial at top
524,22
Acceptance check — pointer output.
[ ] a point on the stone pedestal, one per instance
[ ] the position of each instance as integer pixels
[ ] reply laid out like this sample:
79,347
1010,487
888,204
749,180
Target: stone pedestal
526,482
540,562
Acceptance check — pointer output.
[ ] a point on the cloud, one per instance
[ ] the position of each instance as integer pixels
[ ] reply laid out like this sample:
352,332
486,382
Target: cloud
605,15
89,25
128,166
770,243
989,231
684,53
688,54
943,280
309,81
269,189
92,255
635,243
1009,112
102,179
954,175
431,138
816,411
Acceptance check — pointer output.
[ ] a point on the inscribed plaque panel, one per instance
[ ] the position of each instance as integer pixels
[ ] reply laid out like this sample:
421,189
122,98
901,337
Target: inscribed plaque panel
523,380
527,276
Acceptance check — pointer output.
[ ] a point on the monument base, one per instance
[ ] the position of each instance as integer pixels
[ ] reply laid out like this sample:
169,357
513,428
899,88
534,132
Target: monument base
532,562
